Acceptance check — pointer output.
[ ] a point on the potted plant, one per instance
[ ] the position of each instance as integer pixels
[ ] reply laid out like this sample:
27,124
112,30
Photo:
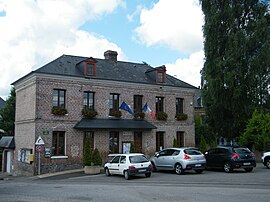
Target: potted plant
162,116
115,113
91,160
181,116
60,111
139,115
89,113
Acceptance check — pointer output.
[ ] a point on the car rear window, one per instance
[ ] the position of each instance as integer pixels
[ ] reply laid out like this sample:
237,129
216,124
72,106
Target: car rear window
241,150
192,152
138,159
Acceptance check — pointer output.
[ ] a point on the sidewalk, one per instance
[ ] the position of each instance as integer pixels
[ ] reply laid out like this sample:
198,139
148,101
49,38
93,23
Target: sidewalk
67,173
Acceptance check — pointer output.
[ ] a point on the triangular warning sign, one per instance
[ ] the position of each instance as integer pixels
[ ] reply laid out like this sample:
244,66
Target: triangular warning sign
40,141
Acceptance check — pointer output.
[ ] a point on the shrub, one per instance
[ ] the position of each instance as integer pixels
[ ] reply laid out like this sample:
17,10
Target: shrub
96,159
87,154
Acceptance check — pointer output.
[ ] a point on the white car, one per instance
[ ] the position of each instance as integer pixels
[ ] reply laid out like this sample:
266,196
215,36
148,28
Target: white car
128,165
266,159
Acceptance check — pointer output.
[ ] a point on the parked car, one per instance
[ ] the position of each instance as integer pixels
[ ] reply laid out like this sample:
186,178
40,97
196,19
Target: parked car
179,159
230,158
266,159
128,165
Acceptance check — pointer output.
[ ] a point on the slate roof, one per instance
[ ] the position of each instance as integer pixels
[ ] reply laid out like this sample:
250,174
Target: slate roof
65,65
2,103
7,142
130,124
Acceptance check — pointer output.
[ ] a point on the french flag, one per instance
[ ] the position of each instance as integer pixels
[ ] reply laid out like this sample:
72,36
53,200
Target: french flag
147,110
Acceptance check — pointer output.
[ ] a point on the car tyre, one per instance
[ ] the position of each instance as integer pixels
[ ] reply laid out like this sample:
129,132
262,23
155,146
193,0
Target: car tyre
227,167
147,174
248,169
199,171
107,172
267,163
126,175
179,169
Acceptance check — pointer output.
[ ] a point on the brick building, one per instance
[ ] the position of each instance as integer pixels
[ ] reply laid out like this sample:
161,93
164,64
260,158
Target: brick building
50,102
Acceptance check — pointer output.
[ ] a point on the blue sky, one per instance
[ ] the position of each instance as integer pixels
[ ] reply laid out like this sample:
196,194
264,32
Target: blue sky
159,32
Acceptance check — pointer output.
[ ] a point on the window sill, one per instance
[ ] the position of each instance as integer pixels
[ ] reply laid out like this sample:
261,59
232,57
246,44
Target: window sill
59,157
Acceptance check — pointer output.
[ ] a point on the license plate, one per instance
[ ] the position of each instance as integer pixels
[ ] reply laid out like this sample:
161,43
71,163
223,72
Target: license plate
142,170
246,164
198,165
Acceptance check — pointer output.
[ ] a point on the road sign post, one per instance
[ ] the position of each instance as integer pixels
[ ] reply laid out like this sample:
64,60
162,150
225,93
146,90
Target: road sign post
39,147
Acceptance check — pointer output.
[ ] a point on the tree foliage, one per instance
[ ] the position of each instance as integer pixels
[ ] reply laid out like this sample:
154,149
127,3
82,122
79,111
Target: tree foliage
257,132
7,114
236,72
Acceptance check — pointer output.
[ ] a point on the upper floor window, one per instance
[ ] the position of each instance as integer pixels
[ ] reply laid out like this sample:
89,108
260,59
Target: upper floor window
161,74
159,104
88,100
138,103
59,98
160,77
114,102
58,143
179,105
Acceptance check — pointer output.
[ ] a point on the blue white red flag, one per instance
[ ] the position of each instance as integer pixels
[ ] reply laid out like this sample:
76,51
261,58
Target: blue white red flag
126,107
147,110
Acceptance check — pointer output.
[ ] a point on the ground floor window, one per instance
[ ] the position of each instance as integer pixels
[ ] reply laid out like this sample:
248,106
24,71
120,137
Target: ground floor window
138,141
89,135
58,143
159,141
180,138
114,142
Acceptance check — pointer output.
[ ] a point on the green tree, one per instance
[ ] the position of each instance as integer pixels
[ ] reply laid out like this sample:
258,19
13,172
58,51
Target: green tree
257,132
7,114
236,73
203,145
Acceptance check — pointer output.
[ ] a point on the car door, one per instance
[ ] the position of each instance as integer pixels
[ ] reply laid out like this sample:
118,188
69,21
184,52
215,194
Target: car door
122,164
170,159
210,157
113,166
160,159
221,157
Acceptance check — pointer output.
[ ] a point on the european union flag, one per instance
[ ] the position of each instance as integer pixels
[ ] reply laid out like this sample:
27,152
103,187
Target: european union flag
125,107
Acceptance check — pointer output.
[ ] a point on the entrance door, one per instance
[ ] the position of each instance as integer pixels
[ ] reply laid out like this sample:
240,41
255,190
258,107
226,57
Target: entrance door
138,142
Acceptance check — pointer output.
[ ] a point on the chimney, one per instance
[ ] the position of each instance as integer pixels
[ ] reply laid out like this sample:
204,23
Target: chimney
111,56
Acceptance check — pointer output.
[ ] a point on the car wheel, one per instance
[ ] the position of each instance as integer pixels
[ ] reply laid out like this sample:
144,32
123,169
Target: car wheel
267,163
178,169
248,169
126,175
147,174
107,172
154,167
199,171
227,167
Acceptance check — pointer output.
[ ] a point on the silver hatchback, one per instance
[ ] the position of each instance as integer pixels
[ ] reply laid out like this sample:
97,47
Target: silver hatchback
179,159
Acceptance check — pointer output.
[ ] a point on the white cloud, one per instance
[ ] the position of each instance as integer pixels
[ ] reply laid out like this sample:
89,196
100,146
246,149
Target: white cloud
174,23
36,32
188,69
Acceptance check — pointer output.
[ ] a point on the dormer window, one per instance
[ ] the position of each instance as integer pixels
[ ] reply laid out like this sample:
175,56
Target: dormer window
89,68
161,74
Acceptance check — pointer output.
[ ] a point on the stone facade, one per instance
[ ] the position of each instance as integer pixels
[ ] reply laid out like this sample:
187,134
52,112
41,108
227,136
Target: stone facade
34,96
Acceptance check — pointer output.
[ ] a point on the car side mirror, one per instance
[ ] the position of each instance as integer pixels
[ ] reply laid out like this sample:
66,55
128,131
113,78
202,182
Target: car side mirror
157,154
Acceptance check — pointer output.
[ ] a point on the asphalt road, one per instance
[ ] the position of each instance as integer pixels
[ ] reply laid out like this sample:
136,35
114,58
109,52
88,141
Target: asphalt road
214,185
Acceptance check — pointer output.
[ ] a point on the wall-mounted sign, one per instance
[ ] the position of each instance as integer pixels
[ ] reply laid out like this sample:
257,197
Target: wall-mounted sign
45,132
24,155
47,152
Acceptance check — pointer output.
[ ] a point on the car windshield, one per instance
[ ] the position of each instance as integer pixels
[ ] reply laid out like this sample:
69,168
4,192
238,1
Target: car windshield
192,152
241,150
138,159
